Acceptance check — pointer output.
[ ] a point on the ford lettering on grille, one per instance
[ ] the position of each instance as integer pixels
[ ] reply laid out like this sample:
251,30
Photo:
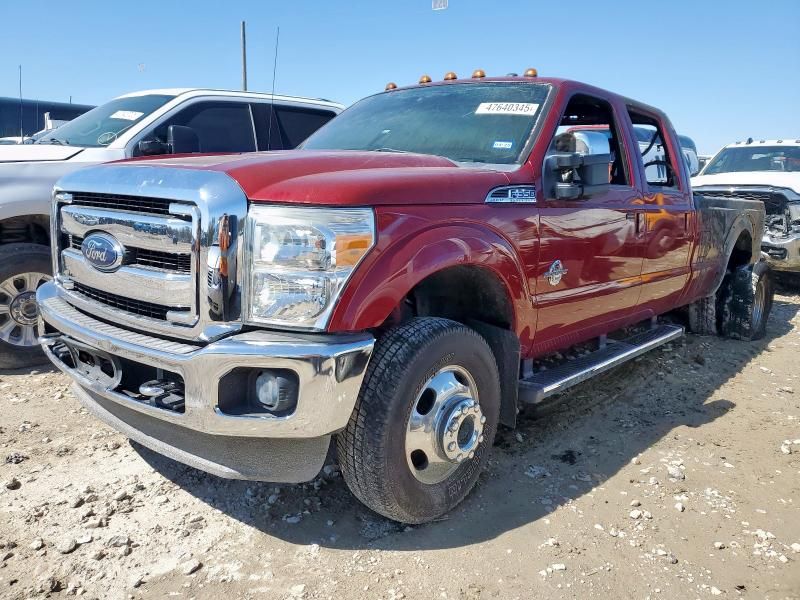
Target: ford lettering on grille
103,251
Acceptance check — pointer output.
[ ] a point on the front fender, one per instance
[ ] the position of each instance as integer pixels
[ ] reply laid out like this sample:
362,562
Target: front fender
411,248
26,188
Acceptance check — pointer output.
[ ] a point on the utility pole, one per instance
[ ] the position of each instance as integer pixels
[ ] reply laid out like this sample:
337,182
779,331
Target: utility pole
244,58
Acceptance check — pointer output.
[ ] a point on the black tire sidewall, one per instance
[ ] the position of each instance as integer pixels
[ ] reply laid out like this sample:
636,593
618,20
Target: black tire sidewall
737,300
455,349
762,276
16,259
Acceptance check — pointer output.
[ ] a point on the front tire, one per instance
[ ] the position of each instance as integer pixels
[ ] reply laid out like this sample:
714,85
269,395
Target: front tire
424,422
745,301
23,268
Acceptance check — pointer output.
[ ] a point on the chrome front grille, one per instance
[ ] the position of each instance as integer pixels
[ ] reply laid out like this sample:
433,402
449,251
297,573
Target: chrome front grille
157,278
743,194
168,274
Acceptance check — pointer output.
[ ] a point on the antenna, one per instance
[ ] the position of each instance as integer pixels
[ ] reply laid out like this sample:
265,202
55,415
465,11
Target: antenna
244,57
21,128
272,95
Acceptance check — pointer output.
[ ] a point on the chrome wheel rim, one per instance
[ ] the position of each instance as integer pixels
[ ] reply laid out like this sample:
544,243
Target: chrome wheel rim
759,303
445,426
19,312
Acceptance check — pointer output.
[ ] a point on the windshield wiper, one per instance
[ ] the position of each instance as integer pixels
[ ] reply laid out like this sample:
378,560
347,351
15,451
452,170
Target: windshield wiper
469,160
390,150
53,141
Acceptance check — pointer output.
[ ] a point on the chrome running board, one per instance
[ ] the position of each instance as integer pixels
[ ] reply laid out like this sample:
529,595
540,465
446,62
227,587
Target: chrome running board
539,386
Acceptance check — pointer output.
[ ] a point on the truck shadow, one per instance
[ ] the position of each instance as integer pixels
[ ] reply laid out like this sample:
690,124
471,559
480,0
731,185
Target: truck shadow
589,438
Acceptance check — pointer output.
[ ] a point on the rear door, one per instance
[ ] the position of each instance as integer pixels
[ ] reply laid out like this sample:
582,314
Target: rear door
588,274
668,225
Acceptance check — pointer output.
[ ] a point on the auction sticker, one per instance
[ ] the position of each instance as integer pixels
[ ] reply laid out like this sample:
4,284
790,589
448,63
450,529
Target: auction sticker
507,108
126,115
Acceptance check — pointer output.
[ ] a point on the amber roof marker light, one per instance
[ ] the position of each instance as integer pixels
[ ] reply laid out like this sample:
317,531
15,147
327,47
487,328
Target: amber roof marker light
531,73
425,79
390,86
449,76
478,74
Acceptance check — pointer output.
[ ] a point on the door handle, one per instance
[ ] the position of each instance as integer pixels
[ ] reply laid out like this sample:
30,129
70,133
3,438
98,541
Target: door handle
638,219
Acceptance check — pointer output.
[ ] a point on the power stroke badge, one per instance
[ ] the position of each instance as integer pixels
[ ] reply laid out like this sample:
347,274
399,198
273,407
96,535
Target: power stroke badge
555,273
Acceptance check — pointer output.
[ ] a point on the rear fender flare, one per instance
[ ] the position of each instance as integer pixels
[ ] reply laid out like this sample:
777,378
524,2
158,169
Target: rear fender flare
741,224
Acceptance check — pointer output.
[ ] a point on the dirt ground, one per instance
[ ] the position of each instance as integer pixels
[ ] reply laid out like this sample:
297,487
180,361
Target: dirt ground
676,476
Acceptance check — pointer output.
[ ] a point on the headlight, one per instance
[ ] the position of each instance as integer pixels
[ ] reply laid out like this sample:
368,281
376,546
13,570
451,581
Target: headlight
299,259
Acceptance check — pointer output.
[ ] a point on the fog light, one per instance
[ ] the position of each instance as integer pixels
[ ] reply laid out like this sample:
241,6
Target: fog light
276,393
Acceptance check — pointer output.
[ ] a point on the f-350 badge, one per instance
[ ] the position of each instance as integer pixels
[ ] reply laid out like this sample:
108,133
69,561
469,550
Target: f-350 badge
555,273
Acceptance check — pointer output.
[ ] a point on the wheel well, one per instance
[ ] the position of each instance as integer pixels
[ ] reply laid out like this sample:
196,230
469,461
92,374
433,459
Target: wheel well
33,229
460,293
742,252
478,298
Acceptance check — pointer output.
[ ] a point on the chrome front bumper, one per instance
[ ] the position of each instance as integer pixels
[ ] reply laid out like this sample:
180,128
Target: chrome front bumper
783,252
330,370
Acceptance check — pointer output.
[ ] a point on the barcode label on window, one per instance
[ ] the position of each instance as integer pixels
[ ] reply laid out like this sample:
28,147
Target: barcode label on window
507,108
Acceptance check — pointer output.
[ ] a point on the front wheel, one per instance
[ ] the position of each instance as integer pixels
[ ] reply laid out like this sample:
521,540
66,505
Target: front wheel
424,422
23,268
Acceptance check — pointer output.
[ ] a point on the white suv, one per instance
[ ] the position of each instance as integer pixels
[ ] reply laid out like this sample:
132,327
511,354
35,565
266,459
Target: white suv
139,124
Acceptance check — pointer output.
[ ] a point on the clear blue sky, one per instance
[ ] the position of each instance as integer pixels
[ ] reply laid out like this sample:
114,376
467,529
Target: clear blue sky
722,70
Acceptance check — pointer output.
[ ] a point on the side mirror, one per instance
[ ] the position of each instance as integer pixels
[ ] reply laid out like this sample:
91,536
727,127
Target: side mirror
573,176
152,148
182,140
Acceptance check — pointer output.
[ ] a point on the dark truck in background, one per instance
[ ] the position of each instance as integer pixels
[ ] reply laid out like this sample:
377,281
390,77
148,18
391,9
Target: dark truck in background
389,286
23,118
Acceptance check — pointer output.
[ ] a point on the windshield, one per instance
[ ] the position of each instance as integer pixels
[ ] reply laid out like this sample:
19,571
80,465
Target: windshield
755,158
102,125
476,122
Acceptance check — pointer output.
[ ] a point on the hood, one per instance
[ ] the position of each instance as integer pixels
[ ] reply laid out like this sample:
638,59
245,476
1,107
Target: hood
349,178
36,152
778,179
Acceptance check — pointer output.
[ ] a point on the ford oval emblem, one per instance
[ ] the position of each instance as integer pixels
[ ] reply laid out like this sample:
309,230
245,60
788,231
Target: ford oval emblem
103,251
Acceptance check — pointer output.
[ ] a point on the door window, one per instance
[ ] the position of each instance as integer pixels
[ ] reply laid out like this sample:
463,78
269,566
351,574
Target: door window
220,126
659,168
291,125
588,127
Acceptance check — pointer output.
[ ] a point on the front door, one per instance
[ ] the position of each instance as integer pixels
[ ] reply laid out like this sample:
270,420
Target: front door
588,274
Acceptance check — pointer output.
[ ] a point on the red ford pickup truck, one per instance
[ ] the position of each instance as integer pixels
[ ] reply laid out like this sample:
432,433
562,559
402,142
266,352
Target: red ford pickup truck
389,286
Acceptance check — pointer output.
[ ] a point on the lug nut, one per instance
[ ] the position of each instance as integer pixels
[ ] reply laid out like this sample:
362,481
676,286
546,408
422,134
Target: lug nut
451,446
459,458
483,420
480,439
472,454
